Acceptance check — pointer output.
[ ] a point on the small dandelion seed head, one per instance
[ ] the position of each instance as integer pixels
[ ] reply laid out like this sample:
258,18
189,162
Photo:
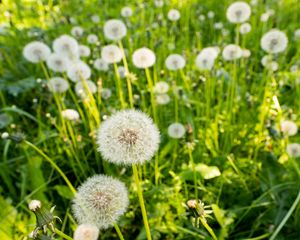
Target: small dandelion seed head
114,29
57,62
101,65
77,31
288,127
82,89
274,41
78,71
86,231
173,15
232,52
143,58
175,62
238,12
84,51
161,87
111,54
70,114
58,85
176,130
36,52
67,46
128,137
100,201
126,12
92,38
293,150
162,99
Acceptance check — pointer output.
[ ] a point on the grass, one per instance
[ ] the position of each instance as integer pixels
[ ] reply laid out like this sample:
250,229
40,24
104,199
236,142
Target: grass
232,117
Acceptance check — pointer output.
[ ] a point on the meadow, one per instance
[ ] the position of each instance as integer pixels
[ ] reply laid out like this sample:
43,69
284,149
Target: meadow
163,119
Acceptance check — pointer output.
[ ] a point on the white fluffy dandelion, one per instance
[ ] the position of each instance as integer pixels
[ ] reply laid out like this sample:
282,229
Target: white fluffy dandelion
92,38
128,137
57,62
288,127
101,65
77,31
175,62
79,71
205,61
293,150
274,41
70,114
84,51
162,99
105,93
36,52
161,87
143,58
232,52
82,89
100,201
297,33
159,3
95,19
245,28
114,29
246,53
86,231
126,12
111,54
66,45
176,130
173,15
58,85
238,12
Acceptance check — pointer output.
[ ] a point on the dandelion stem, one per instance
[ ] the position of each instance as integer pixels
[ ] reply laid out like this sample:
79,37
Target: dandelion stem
119,87
61,234
53,164
141,200
208,228
118,231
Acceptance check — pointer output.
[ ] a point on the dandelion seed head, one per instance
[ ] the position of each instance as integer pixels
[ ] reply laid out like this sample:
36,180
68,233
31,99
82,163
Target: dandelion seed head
111,54
79,71
162,99
161,87
238,12
92,38
245,28
57,62
82,89
175,62
95,19
274,41
143,58
114,29
70,114
84,51
176,130
105,93
36,52
100,201
34,205
173,15
66,45
128,137
77,31
232,52
101,65
58,85
126,12
293,150
86,232
288,127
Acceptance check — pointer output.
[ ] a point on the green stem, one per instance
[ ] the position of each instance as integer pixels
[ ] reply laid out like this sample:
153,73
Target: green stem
119,232
208,228
61,234
53,164
119,87
141,200
287,216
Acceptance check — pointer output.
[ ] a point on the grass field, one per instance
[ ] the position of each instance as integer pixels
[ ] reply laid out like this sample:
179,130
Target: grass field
148,120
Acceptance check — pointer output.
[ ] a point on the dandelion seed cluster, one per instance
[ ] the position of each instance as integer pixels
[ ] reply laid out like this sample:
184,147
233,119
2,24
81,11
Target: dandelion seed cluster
128,137
100,201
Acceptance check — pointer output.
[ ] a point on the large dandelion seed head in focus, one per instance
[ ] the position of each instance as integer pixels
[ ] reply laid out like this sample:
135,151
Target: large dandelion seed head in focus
128,137
175,62
100,201
274,41
143,58
36,52
111,54
238,12
114,29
